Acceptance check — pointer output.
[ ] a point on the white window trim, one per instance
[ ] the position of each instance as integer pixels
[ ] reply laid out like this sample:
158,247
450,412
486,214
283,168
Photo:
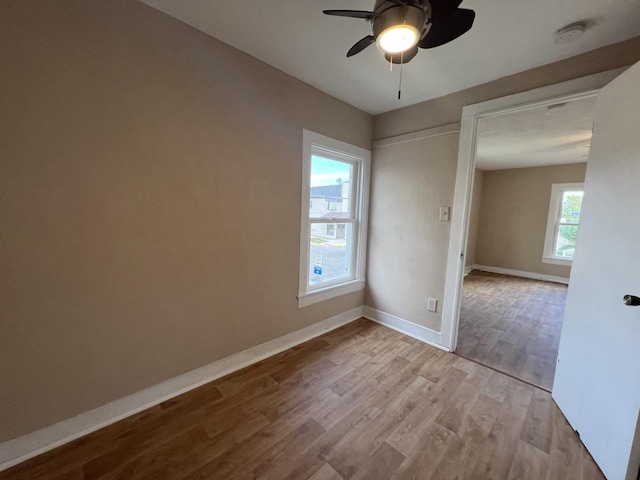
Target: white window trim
557,190
343,151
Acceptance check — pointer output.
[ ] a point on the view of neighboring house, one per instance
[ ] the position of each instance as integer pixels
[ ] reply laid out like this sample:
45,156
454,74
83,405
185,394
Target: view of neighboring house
329,259
332,202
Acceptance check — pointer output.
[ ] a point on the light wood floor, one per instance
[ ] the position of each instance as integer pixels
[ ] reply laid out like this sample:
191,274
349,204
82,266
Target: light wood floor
512,324
361,402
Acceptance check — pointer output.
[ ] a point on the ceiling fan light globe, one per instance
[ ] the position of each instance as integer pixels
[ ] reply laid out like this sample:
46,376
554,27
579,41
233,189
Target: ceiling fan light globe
398,28
398,38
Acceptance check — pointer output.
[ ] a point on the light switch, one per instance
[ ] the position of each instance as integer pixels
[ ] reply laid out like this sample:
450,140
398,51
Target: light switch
444,214
432,305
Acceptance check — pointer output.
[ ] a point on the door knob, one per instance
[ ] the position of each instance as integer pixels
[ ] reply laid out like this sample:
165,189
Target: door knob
631,300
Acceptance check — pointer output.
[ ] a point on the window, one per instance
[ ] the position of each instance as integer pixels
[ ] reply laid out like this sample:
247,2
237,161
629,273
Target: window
563,223
334,218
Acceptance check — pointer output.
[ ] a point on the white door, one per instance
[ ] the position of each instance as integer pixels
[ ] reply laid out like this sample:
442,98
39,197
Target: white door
597,382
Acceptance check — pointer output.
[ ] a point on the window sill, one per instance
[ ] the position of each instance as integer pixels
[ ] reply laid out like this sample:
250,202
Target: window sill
328,293
557,261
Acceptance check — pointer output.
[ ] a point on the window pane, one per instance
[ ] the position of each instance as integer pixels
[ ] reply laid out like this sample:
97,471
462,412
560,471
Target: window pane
566,241
331,186
571,205
330,252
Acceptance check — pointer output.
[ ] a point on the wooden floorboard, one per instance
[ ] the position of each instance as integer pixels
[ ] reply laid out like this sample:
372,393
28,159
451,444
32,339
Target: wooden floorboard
512,324
359,403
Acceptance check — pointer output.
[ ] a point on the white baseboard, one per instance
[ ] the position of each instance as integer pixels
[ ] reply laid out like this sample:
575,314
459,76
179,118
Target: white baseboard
401,325
467,270
520,273
17,450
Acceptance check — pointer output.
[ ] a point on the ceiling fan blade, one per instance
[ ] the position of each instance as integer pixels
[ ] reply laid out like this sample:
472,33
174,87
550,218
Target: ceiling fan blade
440,9
352,13
451,27
361,45
400,58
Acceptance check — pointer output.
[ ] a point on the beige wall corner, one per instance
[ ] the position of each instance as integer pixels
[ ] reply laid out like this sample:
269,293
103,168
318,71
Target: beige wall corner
513,217
401,287
407,242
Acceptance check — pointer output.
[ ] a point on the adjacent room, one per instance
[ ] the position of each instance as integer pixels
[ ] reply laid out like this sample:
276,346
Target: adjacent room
525,215
233,238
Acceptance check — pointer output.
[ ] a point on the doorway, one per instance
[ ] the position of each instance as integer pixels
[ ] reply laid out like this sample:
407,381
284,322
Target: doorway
469,163
516,278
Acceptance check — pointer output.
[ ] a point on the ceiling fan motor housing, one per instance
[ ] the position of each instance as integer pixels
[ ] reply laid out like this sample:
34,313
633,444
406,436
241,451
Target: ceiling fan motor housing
412,14
409,15
401,27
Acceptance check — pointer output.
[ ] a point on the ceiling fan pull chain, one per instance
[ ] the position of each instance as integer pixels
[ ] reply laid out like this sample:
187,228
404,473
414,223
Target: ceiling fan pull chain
401,61
400,84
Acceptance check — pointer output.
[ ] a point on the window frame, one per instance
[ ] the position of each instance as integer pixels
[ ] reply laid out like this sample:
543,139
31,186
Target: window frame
553,222
360,158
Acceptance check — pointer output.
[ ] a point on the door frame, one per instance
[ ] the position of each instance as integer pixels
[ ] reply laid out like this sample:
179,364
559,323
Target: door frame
583,87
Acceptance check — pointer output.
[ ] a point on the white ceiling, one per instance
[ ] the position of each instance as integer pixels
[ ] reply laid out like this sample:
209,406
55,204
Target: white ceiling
537,137
508,36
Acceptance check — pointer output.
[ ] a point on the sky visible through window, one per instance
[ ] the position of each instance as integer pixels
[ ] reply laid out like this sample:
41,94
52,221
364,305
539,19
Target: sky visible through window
328,172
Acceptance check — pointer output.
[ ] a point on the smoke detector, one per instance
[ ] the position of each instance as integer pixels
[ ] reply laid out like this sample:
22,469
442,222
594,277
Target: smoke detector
569,34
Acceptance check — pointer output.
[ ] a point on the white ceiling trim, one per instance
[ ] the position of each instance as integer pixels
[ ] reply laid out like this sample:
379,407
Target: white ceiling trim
418,135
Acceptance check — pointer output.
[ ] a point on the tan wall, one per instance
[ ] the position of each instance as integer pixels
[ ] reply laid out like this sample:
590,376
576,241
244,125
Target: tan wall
149,203
448,109
513,217
474,218
415,283
410,181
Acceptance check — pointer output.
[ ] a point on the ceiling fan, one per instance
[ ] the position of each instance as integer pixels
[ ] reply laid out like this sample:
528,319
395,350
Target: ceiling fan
401,26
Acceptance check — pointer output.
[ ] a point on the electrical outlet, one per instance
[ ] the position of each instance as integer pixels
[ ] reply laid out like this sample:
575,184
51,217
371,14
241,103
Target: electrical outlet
432,305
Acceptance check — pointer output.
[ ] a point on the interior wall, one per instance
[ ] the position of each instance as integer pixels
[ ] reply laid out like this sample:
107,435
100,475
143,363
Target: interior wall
149,203
513,217
410,181
408,301
474,218
448,109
